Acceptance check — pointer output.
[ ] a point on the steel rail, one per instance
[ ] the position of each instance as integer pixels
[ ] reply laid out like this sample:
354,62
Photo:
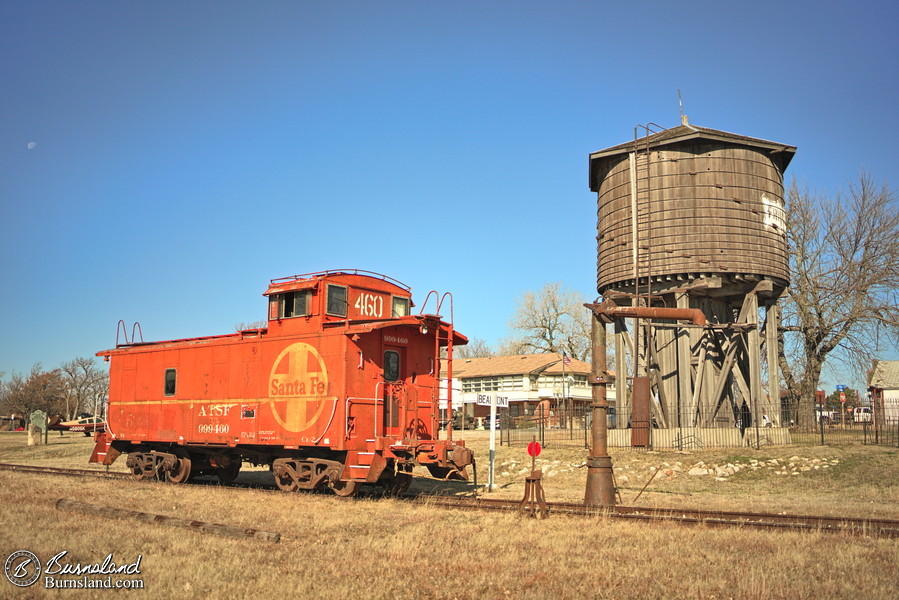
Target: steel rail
61,471
859,526
872,527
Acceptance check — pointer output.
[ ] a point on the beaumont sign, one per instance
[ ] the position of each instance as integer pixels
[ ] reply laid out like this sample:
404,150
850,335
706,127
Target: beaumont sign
487,400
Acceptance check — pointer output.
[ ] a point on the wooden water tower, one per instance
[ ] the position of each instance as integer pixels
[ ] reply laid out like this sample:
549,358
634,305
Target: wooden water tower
692,219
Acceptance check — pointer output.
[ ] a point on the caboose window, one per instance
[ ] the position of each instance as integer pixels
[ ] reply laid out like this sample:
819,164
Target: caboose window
336,300
289,304
295,304
170,377
400,307
391,365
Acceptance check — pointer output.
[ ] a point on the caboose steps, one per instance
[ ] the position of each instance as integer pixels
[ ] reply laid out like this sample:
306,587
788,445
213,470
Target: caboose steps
364,466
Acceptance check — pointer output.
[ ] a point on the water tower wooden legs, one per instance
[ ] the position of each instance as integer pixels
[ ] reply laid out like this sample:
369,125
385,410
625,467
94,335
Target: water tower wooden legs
715,376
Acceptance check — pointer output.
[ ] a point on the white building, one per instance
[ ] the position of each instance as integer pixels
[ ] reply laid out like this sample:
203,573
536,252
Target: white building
525,380
884,388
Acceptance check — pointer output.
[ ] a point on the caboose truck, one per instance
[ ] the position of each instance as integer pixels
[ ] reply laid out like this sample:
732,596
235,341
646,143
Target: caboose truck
342,388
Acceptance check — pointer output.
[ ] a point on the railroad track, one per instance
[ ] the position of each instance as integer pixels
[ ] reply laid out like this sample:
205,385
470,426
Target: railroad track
885,528
65,472
888,528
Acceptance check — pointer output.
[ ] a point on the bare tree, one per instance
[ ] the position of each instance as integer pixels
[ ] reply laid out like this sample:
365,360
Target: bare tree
100,396
842,300
475,348
242,326
84,385
551,320
43,390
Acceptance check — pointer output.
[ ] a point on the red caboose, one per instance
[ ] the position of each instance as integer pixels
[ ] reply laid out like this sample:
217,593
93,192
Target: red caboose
342,388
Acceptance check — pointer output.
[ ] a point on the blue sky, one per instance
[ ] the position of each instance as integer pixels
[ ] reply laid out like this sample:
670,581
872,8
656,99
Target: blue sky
160,162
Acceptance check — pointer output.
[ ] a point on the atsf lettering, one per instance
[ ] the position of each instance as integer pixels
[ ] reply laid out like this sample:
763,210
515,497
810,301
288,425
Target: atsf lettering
215,410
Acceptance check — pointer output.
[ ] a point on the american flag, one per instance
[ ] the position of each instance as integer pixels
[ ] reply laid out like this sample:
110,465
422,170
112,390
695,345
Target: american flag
566,359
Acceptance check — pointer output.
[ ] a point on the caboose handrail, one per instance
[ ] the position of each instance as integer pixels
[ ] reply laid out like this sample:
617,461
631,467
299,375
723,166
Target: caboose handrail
330,420
346,411
425,303
120,325
440,300
135,329
381,276
440,305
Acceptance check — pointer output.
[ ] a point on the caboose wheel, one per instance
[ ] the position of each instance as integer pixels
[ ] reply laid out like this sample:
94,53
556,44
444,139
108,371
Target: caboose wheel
286,484
284,481
181,472
139,473
143,466
345,488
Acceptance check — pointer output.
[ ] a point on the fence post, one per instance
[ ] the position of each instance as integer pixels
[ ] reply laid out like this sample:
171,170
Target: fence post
541,425
570,420
821,427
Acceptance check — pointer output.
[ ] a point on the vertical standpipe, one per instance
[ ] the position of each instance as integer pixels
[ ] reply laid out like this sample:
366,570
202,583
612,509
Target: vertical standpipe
600,486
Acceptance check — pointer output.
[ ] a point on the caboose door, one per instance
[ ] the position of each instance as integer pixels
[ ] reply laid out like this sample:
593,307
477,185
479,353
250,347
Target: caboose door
394,392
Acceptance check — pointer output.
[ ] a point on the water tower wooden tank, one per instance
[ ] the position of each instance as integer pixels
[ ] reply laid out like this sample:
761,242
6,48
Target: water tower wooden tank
692,218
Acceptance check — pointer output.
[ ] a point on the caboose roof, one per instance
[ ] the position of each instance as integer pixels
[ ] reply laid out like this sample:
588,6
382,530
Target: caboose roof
415,320
516,364
343,276
780,153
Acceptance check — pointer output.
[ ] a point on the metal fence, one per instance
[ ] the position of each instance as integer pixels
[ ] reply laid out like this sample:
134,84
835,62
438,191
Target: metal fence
571,427
559,427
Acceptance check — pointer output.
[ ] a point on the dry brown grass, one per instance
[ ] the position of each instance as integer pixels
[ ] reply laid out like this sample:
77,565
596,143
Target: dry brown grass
373,548
864,482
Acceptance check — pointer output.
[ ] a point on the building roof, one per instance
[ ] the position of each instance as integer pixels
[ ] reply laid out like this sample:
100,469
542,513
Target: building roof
885,375
782,154
516,364
577,366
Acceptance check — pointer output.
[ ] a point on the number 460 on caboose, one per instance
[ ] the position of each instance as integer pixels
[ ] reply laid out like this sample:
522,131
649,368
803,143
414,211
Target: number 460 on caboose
342,388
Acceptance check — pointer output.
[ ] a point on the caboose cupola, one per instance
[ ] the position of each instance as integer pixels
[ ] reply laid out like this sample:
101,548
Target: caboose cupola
338,296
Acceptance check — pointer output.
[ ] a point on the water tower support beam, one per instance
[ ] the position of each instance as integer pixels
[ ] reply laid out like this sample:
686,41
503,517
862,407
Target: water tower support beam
699,384
772,321
659,400
715,399
684,344
755,363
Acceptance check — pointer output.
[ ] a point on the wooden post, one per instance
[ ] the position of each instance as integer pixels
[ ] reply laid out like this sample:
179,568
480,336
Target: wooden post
755,366
118,513
684,368
771,323
694,412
